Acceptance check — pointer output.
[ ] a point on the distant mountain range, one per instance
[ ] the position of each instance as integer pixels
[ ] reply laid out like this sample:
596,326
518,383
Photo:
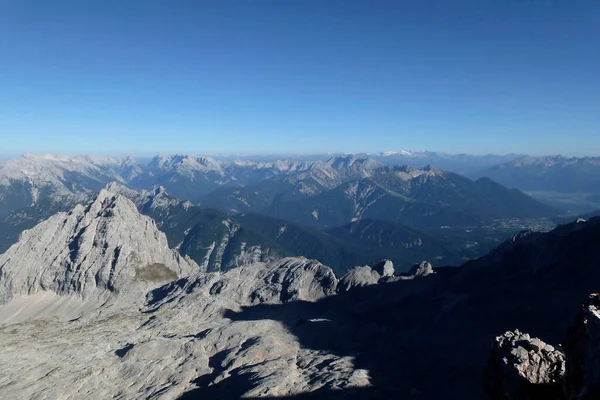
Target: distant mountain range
29,179
415,197
464,164
552,173
459,163
218,241
324,194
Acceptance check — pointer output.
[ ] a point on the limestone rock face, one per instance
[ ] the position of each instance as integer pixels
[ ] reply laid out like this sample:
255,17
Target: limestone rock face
521,367
183,338
212,239
358,277
288,279
105,248
385,268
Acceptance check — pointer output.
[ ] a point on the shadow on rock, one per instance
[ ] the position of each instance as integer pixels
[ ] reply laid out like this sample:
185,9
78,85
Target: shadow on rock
430,338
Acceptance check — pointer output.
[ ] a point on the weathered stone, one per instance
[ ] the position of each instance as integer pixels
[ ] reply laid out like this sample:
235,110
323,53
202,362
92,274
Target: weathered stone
106,248
524,368
422,269
385,268
180,340
358,277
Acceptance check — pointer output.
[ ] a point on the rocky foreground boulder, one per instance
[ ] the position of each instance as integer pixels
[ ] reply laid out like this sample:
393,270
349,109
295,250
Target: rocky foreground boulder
524,368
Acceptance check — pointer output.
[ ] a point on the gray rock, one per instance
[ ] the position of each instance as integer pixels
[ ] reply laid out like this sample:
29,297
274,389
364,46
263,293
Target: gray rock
385,268
358,277
95,252
521,367
181,339
422,269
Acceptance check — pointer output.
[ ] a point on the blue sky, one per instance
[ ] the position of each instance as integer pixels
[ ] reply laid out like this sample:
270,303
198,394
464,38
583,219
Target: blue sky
253,76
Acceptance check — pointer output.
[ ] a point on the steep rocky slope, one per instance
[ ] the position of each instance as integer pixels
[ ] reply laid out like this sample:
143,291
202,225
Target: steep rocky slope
17,221
97,251
213,239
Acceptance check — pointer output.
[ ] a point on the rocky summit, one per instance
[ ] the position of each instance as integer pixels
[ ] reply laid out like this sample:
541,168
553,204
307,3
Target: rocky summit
97,252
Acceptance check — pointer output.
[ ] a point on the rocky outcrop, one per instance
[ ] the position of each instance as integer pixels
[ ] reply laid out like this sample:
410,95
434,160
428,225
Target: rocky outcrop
385,268
521,367
524,368
288,279
582,348
358,277
422,269
104,249
382,272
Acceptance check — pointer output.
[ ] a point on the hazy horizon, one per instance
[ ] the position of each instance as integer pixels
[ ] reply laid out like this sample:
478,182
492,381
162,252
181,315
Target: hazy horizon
273,155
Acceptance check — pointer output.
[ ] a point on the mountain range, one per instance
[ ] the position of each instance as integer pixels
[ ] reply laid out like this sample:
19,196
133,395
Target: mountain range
217,241
240,186
464,164
98,301
552,173
344,211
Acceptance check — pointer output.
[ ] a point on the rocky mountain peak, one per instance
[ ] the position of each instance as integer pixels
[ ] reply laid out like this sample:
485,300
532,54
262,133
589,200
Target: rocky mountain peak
101,250
118,188
351,161
186,164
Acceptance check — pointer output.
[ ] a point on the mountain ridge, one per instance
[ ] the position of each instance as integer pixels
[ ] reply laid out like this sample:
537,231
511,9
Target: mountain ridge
106,246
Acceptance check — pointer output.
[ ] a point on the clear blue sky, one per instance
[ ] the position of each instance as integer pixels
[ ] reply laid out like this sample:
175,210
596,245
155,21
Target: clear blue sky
141,77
